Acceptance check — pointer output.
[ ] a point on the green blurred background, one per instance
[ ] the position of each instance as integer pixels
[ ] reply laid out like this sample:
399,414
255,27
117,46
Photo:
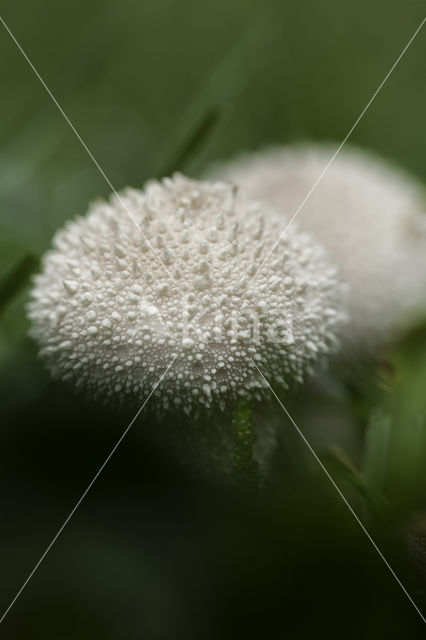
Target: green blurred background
158,550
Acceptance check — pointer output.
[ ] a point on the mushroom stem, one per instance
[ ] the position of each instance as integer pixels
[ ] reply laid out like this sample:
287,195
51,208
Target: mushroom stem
245,467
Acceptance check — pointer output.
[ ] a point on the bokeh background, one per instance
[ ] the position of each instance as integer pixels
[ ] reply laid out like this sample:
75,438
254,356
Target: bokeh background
158,550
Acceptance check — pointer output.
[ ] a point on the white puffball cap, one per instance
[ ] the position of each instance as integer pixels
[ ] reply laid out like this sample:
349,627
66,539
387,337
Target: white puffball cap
111,314
369,215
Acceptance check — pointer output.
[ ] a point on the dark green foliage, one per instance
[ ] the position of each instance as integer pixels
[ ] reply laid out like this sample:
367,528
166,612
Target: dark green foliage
13,282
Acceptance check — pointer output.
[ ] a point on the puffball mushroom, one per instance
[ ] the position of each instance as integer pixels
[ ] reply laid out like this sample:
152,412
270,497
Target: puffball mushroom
370,217
167,273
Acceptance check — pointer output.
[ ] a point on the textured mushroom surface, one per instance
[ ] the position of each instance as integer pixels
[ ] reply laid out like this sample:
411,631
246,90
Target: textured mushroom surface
169,275
370,216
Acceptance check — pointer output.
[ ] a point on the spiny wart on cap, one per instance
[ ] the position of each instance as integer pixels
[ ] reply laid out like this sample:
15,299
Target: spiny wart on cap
109,316
370,216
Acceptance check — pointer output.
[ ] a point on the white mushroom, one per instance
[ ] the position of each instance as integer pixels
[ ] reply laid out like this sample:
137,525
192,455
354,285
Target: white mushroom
111,315
371,218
